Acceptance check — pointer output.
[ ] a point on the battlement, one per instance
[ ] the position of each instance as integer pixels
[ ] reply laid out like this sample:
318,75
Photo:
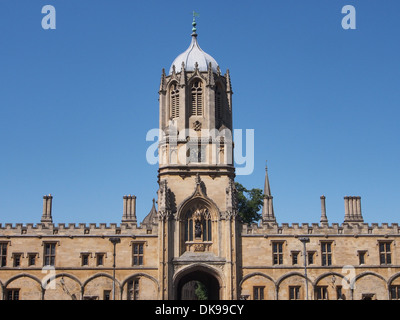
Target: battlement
345,228
46,227
73,229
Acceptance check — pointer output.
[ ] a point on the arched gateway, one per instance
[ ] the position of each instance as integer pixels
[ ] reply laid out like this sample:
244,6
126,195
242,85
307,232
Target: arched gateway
188,280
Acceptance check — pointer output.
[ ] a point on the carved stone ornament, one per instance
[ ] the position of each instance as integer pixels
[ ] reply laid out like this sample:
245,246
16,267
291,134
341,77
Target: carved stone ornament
199,247
200,214
197,125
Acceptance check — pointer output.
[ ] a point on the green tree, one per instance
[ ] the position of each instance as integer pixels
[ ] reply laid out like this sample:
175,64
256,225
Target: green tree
201,291
249,203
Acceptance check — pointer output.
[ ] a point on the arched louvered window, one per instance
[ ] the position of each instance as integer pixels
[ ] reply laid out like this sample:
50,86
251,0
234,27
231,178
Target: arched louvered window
196,98
218,103
174,101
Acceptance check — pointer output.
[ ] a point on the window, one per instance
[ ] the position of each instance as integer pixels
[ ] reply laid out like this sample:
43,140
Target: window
17,260
136,289
174,101
385,255
361,257
137,254
295,258
3,254
32,259
277,252
12,294
107,295
196,98
326,253
294,293
258,293
99,259
49,254
218,103
85,259
189,230
310,257
368,296
321,293
207,230
395,292
133,289
339,293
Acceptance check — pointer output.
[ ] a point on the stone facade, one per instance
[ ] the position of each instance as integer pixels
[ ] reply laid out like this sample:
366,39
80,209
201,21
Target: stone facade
193,232
356,269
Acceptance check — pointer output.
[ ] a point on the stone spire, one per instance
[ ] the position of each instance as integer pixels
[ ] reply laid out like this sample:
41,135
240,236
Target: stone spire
163,83
151,217
268,215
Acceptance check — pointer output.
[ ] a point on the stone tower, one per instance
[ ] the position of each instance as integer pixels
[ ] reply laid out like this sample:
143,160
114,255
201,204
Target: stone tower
196,198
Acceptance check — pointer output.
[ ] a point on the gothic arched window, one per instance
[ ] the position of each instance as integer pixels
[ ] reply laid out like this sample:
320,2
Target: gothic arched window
196,96
174,101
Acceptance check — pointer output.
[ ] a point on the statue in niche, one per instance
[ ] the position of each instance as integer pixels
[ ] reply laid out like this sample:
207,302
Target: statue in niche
197,229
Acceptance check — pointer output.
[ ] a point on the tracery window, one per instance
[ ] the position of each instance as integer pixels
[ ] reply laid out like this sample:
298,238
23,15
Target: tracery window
196,98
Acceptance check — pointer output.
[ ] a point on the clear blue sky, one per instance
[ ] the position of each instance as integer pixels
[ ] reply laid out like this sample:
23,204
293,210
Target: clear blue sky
76,102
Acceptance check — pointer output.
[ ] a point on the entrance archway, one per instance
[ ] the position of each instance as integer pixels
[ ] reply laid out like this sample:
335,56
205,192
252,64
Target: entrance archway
197,278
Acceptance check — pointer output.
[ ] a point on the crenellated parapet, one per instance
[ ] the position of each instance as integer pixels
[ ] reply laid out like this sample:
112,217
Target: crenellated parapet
72,229
321,229
46,226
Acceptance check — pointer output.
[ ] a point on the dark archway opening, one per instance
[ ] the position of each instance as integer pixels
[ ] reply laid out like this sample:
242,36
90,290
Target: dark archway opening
198,284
